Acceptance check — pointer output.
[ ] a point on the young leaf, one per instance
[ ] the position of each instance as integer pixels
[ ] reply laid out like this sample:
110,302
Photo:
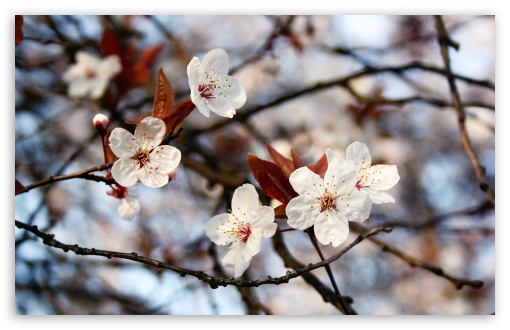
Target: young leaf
164,98
178,113
321,166
296,159
284,163
271,179
279,211
18,31
18,187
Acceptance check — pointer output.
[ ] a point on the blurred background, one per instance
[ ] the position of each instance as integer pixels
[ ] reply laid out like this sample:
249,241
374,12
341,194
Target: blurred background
312,82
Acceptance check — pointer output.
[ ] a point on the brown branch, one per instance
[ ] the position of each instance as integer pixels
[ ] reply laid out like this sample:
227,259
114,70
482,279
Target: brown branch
81,175
413,262
214,282
444,42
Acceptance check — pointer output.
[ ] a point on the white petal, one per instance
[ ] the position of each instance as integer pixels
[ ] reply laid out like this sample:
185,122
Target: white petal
149,133
216,59
221,108
245,200
217,229
98,89
128,208
125,172
240,255
263,221
302,211
165,158
306,182
330,155
200,103
195,73
151,177
122,143
340,177
355,206
381,177
87,59
359,154
331,227
79,88
109,67
377,196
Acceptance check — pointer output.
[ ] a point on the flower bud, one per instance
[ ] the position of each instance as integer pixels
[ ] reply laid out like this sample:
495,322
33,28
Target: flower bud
101,123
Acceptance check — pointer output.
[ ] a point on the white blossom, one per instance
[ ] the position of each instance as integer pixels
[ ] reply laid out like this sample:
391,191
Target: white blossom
90,76
372,179
327,203
129,205
243,227
140,155
211,88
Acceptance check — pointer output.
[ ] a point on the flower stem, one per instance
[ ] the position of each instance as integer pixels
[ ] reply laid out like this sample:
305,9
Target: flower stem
339,296
284,230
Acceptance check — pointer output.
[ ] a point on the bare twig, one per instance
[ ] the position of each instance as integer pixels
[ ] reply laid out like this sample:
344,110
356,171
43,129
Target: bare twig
413,262
81,174
444,42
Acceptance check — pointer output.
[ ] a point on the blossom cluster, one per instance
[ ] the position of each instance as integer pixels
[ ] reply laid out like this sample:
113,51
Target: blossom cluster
324,201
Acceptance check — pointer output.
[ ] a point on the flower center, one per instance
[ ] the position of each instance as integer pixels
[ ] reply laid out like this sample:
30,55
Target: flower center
206,91
214,85
90,74
141,157
244,232
328,202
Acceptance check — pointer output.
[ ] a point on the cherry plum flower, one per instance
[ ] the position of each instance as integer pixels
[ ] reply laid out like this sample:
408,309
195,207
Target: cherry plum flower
140,155
90,76
372,179
211,88
327,203
243,227
129,205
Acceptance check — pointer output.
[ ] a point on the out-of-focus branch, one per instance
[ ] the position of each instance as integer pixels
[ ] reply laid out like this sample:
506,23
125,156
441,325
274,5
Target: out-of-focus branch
343,82
444,42
413,262
80,174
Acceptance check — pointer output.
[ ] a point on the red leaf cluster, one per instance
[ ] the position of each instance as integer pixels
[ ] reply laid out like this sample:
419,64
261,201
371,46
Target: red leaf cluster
18,31
134,72
164,108
273,177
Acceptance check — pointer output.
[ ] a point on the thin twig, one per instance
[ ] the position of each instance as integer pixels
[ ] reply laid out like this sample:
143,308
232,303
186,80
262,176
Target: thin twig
444,42
81,174
413,262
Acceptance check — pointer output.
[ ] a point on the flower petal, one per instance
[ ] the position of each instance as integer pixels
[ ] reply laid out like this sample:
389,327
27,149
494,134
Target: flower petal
330,155
79,88
218,229
245,201
122,143
240,255
381,177
263,221
216,59
331,227
128,208
200,103
377,196
355,206
151,177
340,177
98,88
165,158
149,133
195,73
125,172
302,211
359,154
306,182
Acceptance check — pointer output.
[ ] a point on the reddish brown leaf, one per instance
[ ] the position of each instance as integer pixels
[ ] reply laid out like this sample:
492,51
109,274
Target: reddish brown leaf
271,179
18,188
147,57
321,166
164,98
18,31
282,162
138,120
111,45
296,159
279,211
178,114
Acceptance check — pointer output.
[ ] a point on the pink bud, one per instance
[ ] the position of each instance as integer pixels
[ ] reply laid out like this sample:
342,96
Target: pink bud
101,123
